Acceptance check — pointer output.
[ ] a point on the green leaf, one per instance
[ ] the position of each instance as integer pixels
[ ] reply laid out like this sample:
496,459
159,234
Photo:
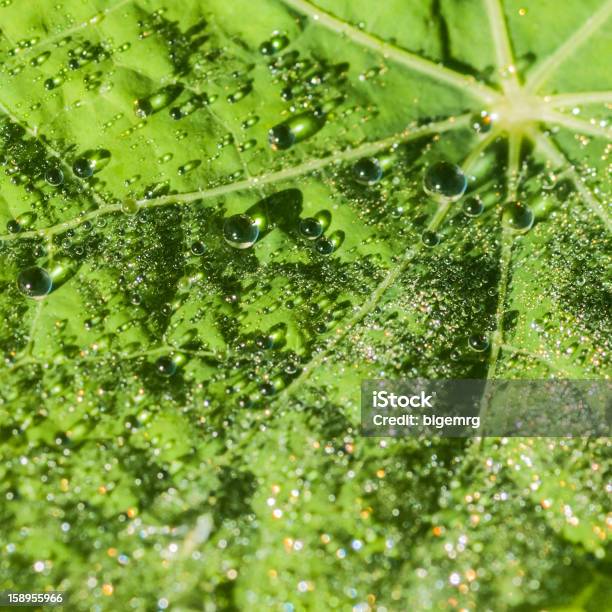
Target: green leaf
179,416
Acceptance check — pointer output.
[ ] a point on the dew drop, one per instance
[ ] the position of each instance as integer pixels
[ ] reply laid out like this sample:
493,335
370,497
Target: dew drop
198,248
277,43
240,231
129,206
165,367
90,162
430,239
367,171
445,181
295,129
34,282
478,342
324,246
482,122
281,137
54,176
473,207
518,217
311,228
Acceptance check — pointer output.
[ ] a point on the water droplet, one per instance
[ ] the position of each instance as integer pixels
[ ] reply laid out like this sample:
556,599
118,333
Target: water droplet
53,82
54,176
482,122
295,129
165,366
478,342
240,231
198,248
240,94
189,166
430,239
518,217
367,171
144,107
281,137
129,206
34,282
445,181
90,162
39,60
311,228
324,246
13,226
473,207
277,43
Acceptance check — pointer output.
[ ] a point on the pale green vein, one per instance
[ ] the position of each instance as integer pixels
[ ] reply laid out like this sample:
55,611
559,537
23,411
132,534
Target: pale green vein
579,98
503,48
591,127
92,22
388,281
259,181
468,85
34,133
554,154
545,69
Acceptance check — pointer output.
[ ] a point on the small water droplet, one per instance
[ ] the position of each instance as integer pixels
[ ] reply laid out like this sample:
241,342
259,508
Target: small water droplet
198,248
165,366
473,207
90,162
445,181
240,231
311,228
34,282
281,137
54,176
367,171
518,217
482,122
478,342
430,239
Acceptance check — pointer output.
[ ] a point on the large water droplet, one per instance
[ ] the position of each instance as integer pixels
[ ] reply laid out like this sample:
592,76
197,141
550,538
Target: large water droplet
311,228
34,282
165,366
518,217
445,181
54,176
240,231
367,171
